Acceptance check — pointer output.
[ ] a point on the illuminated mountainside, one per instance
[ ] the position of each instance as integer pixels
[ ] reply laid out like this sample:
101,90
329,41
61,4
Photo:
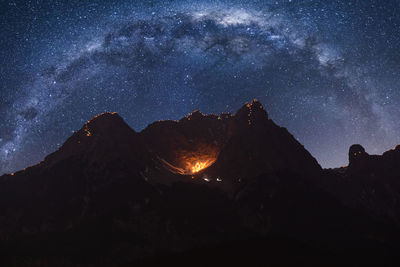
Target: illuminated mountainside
184,190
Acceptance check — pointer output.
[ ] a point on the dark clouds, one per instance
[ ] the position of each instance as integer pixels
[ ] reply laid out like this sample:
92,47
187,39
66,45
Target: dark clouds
173,59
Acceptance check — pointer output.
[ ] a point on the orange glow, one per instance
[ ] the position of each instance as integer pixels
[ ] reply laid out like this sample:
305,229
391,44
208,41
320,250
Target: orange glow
87,131
194,160
199,163
193,165
198,166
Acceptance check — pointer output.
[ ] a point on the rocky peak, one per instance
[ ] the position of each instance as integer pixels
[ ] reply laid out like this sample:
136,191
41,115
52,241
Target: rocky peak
251,113
105,123
355,152
195,115
357,156
105,132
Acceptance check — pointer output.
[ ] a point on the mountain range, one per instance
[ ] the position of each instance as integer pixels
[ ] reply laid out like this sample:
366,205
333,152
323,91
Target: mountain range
229,189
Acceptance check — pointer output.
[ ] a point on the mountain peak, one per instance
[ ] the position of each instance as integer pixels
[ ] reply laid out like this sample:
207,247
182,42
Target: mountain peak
104,116
107,120
357,155
195,115
252,112
107,124
256,104
106,131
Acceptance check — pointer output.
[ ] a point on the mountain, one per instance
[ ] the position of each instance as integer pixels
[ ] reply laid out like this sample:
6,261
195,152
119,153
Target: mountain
370,183
234,189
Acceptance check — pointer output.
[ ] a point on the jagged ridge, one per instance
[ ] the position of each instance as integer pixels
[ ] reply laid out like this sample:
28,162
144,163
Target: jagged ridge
107,188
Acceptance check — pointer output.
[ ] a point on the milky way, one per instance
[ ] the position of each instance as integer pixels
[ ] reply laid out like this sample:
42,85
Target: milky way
329,72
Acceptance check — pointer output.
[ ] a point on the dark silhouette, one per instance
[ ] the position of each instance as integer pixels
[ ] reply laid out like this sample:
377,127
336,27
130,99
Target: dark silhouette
206,190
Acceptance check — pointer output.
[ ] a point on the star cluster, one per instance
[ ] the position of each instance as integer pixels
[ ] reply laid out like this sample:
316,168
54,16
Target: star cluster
328,71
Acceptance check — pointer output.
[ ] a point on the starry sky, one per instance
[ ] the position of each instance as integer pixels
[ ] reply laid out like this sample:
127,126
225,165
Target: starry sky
329,71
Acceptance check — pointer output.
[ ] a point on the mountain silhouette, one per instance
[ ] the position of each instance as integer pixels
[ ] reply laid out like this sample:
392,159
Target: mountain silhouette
234,189
370,183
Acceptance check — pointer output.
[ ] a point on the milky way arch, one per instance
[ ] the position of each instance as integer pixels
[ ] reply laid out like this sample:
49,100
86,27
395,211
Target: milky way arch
165,62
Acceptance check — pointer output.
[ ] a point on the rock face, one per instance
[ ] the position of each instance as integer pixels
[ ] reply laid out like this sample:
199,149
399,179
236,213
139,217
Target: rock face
258,146
207,189
357,156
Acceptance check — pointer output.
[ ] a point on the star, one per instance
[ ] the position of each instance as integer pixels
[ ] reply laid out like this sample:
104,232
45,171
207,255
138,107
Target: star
327,71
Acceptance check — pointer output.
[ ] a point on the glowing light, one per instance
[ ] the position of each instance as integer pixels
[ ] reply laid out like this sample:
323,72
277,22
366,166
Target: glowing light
194,160
193,166
199,162
198,166
87,131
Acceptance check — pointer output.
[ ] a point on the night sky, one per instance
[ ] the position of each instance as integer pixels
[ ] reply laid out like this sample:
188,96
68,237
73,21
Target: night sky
329,71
